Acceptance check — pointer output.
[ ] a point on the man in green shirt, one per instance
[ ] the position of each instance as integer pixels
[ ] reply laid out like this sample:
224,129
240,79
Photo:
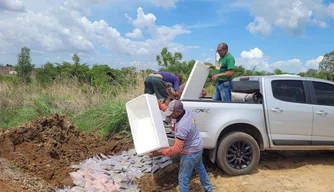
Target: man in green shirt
223,74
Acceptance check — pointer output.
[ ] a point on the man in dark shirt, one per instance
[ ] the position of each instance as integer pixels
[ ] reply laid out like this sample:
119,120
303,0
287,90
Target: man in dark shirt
156,83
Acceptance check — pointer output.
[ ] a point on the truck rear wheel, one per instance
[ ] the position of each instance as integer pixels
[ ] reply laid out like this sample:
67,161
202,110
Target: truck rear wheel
238,153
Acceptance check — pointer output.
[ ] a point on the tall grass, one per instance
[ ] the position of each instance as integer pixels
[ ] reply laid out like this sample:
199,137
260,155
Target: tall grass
210,90
111,116
93,109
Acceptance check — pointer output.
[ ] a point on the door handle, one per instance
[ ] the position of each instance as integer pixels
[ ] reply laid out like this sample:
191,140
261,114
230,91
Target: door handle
277,110
321,112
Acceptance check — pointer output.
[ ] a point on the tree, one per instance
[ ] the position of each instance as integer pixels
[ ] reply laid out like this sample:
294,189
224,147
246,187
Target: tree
278,72
239,71
46,74
311,73
101,75
76,60
326,66
24,66
167,59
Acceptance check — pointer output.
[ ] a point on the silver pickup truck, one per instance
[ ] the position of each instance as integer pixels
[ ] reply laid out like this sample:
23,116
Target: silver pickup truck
284,112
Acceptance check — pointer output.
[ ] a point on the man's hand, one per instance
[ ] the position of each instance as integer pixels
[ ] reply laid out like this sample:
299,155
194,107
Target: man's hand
171,93
203,93
167,101
212,67
155,154
214,77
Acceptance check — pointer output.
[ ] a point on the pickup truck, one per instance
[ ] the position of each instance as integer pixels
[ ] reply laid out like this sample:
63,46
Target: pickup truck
290,113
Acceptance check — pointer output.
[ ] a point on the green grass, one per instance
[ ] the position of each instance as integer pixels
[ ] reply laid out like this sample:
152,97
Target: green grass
37,108
91,110
43,105
110,118
210,90
12,118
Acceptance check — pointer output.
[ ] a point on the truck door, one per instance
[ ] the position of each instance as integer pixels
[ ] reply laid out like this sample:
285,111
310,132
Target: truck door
323,124
289,112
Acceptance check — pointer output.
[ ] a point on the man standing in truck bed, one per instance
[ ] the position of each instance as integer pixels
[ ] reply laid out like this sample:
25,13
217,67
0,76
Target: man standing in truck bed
156,82
223,74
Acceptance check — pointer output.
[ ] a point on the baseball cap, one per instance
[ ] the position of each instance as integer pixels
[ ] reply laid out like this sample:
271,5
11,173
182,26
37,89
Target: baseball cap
173,106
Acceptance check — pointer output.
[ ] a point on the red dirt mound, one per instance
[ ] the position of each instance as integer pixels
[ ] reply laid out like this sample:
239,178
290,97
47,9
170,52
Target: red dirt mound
48,146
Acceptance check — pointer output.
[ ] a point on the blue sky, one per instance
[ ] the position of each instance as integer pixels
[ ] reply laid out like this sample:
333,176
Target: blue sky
291,35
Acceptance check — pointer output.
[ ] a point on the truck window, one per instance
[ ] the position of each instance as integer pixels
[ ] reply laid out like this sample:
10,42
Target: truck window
289,90
246,86
324,93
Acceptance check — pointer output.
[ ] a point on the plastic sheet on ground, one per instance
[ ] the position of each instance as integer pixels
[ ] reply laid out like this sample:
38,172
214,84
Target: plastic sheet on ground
113,173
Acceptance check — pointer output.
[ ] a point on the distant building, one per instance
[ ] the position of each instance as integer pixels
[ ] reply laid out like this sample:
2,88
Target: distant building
8,69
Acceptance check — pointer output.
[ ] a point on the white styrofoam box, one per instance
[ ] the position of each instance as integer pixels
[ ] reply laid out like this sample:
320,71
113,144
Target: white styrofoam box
196,81
147,128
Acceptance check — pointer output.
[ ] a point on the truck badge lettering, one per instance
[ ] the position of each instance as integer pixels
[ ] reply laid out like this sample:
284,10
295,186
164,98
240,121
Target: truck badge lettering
201,110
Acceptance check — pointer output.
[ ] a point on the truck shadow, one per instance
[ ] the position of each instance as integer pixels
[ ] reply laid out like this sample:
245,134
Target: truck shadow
167,178
281,160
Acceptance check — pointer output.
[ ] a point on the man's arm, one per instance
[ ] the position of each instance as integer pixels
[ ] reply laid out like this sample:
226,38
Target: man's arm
230,68
228,73
176,84
175,149
180,134
170,151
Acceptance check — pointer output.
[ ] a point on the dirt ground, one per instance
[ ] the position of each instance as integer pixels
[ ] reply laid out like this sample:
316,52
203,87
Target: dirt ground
47,147
277,171
36,156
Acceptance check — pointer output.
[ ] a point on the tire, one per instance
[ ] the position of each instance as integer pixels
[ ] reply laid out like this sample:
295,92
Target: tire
248,151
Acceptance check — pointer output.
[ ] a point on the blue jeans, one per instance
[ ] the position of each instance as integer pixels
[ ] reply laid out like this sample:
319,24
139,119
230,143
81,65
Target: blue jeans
223,91
188,163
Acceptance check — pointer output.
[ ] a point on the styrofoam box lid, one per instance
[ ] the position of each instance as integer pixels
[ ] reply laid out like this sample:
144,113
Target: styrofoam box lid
145,119
196,81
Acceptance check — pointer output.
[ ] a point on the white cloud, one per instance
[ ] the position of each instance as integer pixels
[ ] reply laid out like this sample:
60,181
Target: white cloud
321,24
202,25
259,25
67,29
255,58
12,5
135,34
193,47
143,20
165,3
128,17
253,53
142,65
290,66
314,63
331,10
292,16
